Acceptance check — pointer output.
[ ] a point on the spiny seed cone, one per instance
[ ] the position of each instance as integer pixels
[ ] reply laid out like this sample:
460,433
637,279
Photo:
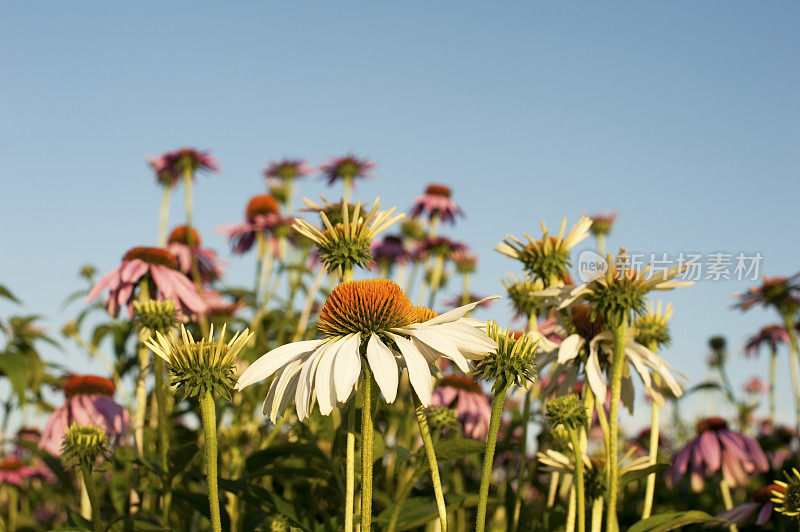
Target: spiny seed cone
155,315
155,256
84,443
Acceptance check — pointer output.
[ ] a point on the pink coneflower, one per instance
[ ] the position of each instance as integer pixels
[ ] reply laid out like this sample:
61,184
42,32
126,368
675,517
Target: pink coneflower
437,246
602,223
151,264
716,447
287,169
755,386
262,215
781,292
187,249
463,393
465,261
389,251
14,471
88,401
347,168
760,504
770,336
436,201
169,167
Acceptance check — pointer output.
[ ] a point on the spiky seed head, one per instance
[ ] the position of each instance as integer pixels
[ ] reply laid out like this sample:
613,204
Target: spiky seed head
155,315
83,444
786,496
520,291
512,362
653,326
566,410
441,417
200,366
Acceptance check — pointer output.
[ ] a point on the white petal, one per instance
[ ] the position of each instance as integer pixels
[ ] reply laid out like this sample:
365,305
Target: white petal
468,338
442,344
569,348
384,367
269,363
658,365
456,313
305,385
282,389
323,379
418,372
595,375
347,367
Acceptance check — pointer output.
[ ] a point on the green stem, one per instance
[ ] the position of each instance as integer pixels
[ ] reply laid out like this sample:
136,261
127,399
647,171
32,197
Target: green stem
653,450
726,498
163,436
13,502
350,470
141,381
523,462
465,289
601,245
187,186
793,361
348,187
773,364
367,435
617,367
488,458
597,514
436,278
209,418
430,452
163,216
91,489
580,502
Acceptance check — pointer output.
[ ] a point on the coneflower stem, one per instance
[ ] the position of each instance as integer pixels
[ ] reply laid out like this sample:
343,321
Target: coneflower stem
488,458
793,361
523,461
569,526
580,501
773,364
208,415
436,278
650,488
617,367
430,452
464,289
163,436
141,390
13,502
348,187
367,435
350,469
91,490
163,216
597,514
601,245
726,498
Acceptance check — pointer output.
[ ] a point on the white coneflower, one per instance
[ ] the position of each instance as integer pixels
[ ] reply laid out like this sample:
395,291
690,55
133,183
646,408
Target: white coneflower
377,315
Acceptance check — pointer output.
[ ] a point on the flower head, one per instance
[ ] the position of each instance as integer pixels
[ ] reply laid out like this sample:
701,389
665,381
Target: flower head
755,386
347,244
184,244
782,293
786,495
155,315
438,247
511,363
549,257
716,447
652,327
83,444
198,367
520,291
170,166
146,264
348,168
436,201
464,260
262,216
366,322
389,251
412,230
89,401
770,336
287,169
568,411
602,223
471,404
14,471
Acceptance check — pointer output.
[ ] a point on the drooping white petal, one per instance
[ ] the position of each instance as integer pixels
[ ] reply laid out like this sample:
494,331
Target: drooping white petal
658,365
384,367
569,348
418,371
269,362
282,389
305,385
594,374
441,344
323,379
467,338
644,372
347,367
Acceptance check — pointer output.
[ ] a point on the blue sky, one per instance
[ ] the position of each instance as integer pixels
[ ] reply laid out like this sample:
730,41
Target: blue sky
683,116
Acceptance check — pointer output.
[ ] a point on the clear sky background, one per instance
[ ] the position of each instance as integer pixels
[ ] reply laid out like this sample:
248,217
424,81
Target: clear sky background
681,115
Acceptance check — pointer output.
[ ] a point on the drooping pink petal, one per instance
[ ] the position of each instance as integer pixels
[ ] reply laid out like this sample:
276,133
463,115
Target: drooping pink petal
712,453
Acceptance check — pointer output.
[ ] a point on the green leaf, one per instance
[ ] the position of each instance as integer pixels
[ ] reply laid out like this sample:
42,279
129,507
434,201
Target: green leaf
414,512
672,521
456,448
15,367
6,293
181,456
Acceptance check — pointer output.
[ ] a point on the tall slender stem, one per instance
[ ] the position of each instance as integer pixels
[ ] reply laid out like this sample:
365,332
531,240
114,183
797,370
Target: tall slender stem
163,436
773,364
580,501
348,188
436,278
91,490
617,367
793,362
350,468
367,435
726,498
208,414
488,458
13,502
653,450
163,215
523,458
601,245
430,452
141,380
597,514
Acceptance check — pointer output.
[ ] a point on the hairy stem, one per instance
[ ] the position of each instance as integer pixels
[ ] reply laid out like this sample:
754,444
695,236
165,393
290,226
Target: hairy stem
726,498
580,501
433,464
367,435
617,367
163,216
350,469
208,414
91,490
488,458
